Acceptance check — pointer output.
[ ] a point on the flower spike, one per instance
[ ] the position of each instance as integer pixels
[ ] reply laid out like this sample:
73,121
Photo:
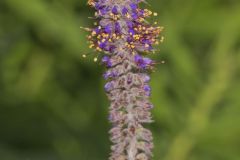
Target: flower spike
123,36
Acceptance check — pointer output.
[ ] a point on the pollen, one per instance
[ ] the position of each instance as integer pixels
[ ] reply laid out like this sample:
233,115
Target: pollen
132,46
91,46
98,49
162,39
95,59
94,33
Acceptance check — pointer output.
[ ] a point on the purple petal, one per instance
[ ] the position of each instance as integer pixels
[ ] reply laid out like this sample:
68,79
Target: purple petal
115,10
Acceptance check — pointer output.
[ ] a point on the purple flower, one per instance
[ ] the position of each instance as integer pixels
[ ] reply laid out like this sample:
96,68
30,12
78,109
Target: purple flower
97,30
98,6
117,28
115,10
102,45
110,117
131,31
108,29
106,60
133,6
107,75
129,39
147,88
124,11
148,61
134,16
141,12
108,86
110,74
143,63
103,11
146,78
111,48
130,24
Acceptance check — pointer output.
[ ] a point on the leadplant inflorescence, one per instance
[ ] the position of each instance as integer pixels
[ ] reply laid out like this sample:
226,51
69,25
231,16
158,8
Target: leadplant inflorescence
123,34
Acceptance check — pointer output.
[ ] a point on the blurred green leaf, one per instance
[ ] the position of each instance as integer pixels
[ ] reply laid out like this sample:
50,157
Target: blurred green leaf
52,102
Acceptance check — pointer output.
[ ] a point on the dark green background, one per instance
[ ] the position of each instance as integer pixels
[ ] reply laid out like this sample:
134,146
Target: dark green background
52,102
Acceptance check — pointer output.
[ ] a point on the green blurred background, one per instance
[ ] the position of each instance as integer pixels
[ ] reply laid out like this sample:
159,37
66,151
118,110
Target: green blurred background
52,102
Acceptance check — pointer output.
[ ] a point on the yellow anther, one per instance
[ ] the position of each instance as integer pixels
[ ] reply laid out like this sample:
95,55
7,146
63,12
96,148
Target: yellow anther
155,14
98,49
161,28
128,15
137,37
162,39
141,19
94,33
91,2
84,56
86,29
95,59
91,46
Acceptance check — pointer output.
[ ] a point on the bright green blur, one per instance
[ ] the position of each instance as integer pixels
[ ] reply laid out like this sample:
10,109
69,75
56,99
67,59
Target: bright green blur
52,102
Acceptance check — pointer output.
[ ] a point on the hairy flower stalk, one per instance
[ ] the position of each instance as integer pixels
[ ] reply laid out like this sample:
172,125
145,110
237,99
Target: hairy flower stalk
124,36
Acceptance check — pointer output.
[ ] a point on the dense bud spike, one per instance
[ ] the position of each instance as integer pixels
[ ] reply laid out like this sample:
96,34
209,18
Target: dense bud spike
123,35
